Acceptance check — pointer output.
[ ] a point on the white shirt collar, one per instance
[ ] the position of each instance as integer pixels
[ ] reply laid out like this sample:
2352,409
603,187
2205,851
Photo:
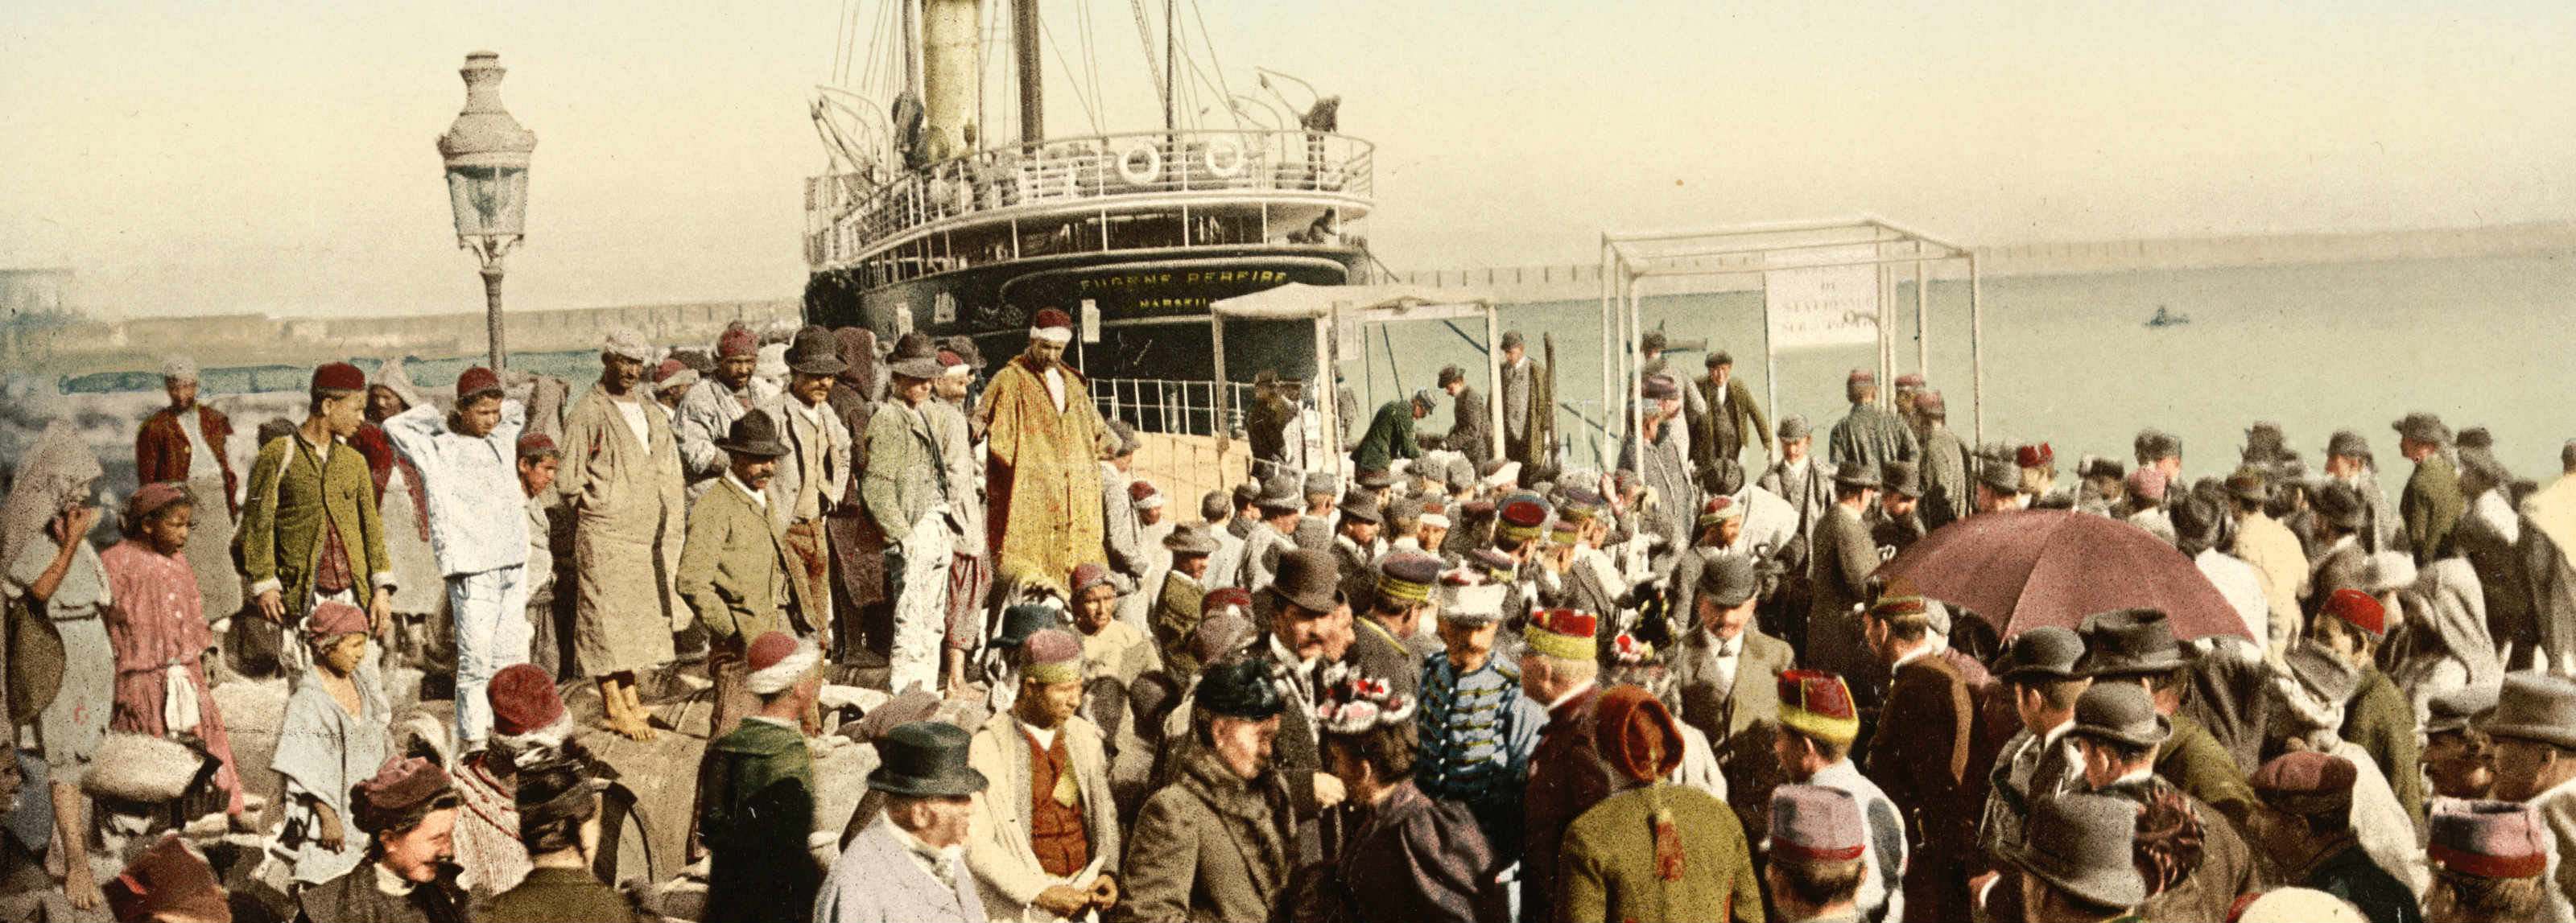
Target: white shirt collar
757,499
1570,694
390,884
1304,667
2138,776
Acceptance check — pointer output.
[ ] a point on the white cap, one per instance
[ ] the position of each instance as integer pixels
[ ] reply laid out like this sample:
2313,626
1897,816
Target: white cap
179,367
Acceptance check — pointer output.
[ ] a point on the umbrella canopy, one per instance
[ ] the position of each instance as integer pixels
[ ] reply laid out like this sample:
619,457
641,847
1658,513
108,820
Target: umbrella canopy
2054,567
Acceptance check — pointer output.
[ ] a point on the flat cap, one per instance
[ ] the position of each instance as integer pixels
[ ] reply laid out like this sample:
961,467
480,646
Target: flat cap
2306,783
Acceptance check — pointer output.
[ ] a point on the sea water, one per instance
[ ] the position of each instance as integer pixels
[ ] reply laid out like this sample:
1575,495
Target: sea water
2070,361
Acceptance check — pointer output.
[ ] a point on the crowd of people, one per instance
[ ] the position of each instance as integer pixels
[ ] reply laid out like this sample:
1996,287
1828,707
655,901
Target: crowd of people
1414,676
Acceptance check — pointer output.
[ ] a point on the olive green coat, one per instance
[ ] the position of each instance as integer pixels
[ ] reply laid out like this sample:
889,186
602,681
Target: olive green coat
294,491
2194,761
2432,507
1607,869
733,567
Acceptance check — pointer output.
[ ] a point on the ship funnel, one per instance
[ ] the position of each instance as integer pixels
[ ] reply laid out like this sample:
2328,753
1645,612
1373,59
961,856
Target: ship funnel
949,43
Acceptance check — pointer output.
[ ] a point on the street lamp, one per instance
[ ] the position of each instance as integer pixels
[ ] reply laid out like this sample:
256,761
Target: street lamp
487,179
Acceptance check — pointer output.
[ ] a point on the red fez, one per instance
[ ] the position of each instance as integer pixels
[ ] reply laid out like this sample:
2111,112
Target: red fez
1140,489
1229,596
523,700
737,341
167,879
668,368
475,381
1909,380
340,376
332,619
951,359
1051,655
1860,377
533,445
2360,609
1051,318
1929,400
768,650
2033,456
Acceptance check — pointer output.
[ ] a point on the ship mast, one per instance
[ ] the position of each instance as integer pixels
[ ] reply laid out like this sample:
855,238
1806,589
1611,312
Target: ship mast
1024,36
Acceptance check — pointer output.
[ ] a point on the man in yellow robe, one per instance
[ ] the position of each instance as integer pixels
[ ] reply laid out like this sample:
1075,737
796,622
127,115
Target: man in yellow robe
1043,485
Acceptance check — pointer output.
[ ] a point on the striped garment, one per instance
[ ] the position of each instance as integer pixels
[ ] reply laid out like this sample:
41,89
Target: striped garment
1477,734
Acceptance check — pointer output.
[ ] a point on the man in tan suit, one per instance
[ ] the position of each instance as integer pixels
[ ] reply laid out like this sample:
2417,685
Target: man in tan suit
734,567
1048,815
814,474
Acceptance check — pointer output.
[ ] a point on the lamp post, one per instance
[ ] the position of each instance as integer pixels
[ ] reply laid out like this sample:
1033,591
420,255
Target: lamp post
486,152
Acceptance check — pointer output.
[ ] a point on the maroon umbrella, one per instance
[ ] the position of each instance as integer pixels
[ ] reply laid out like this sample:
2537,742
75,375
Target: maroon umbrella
2054,567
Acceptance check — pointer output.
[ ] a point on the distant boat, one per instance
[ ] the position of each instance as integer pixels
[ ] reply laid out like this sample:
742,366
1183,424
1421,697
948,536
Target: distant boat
2166,318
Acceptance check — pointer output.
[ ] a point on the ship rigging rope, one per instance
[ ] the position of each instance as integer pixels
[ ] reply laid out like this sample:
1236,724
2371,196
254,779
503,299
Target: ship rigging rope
1199,12
1153,68
1087,112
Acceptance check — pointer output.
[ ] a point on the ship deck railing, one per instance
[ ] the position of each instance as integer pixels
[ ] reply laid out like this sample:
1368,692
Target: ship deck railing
853,216
1191,434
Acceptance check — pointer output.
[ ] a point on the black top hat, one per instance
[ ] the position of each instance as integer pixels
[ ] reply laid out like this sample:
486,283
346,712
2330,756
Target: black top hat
755,434
1239,689
926,759
1307,580
2128,642
2047,651
815,352
2121,712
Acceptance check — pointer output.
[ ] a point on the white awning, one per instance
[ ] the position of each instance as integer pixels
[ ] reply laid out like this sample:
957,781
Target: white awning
1298,300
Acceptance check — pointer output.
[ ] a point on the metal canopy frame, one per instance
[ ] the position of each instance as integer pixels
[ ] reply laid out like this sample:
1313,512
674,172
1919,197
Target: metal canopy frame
1629,259
1364,306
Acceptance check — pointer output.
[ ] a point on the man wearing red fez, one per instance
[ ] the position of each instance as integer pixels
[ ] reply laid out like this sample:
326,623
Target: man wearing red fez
310,530
1656,850
621,483
1871,435
2378,718
707,412
468,463
756,793
1046,439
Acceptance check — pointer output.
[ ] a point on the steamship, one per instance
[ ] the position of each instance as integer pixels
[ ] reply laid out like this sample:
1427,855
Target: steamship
922,225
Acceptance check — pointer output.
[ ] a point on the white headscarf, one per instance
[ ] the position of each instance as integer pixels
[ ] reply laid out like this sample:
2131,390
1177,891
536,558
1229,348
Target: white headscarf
58,471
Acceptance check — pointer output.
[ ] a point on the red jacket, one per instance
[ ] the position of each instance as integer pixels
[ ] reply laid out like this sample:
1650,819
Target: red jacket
161,451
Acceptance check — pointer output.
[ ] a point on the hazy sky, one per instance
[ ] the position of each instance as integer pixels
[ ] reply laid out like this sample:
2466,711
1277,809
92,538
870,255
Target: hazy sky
275,156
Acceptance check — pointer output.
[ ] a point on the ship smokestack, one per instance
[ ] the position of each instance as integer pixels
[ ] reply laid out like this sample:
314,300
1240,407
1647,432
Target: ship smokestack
949,44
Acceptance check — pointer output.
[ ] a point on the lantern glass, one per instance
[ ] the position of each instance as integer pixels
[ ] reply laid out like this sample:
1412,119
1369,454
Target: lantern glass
489,201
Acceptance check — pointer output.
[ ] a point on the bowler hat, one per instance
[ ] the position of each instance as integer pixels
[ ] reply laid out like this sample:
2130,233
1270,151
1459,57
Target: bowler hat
1726,579
920,369
1358,506
2120,712
755,434
1191,540
1281,492
1239,689
1023,620
1321,483
1999,473
815,352
2535,706
2348,444
2457,709
2044,652
2127,642
1306,579
1901,477
1856,475
2082,845
2423,427
1513,338
2339,505
1794,427
1653,342
926,759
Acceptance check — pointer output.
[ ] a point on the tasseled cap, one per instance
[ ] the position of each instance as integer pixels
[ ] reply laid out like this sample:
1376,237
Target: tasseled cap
1817,703
1638,736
